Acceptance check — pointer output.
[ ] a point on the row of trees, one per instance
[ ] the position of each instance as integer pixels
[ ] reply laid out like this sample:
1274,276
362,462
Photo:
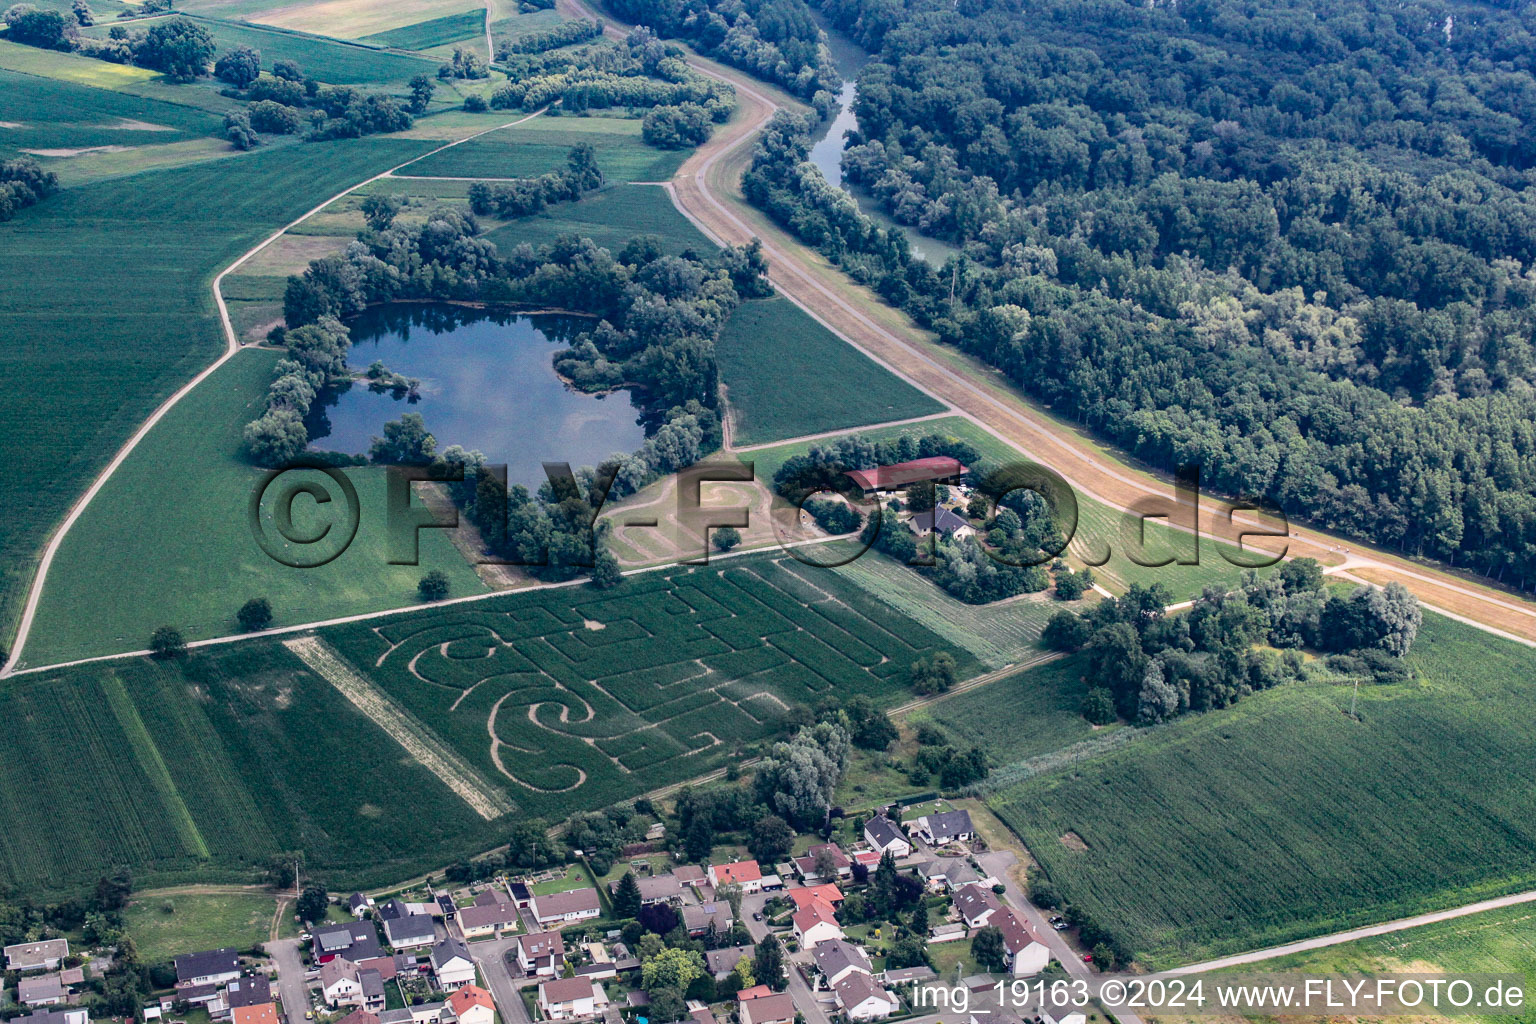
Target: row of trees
22,184
566,33
526,196
179,48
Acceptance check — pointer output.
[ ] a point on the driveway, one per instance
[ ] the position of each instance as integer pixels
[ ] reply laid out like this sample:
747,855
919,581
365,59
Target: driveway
289,959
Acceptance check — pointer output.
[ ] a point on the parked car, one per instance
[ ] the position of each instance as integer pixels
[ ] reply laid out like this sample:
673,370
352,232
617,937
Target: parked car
757,916
1087,958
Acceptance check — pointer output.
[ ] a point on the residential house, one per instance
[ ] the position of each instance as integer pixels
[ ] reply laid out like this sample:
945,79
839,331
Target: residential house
862,998
816,922
211,968
472,1005
254,1013
895,477
1027,952
404,929
373,990
541,953
206,996
701,1016
452,965
721,962
755,992
836,958
771,1009
41,990
827,893
943,873
359,904
428,1013
359,1017
571,998
690,875
246,992
829,854
887,837
564,907
976,905
36,956
52,1016
357,941
945,522
387,966
667,888
745,873
340,983
703,918
494,911
944,828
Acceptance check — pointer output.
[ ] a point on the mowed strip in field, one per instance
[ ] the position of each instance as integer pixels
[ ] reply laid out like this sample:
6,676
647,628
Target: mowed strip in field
1282,817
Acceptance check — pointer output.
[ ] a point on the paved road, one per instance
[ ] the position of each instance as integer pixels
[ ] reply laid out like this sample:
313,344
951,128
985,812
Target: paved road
490,955
290,978
814,1011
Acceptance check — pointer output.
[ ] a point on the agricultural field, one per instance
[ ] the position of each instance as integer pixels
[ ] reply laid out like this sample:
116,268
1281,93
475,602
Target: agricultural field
347,19
424,35
541,145
787,376
610,217
165,925
95,345
518,25
152,550
1283,817
574,697
199,769
1023,715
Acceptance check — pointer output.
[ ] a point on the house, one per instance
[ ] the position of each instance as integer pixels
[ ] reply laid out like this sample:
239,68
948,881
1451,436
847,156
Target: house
359,1017
357,941
564,907
722,962
895,477
755,992
373,990
807,867
472,1005
945,522
827,893
41,990
887,837
690,875
387,966
255,1013
36,956
744,873
701,1016
494,911
836,959
943,873
50,1016
340,983
816,922
570,998
359,904
706,917
405,930
452,965
1027,952
446,907
773,1009
944,828
666,888
206,996
245,992
862,998
541,952
976,905
211,968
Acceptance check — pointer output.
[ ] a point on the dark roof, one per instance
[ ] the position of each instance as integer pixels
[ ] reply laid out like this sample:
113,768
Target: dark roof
722,961
564,990
359,940
372,982
447,949
972,901
445,903
201,965
884,478
400,923
948,522
883,830
948,824
248,991
357,900
1017,934
833,956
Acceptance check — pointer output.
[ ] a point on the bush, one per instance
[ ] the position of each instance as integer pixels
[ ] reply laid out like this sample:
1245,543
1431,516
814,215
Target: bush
725,537
167,642
475,103
433,586
255,614
1099,706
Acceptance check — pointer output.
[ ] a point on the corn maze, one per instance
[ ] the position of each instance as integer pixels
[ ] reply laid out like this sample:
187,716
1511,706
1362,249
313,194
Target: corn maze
583,697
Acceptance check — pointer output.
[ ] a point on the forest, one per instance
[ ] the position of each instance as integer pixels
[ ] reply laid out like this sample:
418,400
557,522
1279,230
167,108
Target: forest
1290,243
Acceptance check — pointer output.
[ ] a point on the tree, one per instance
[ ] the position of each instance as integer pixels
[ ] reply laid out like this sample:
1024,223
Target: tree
314,902
725,537
1099,706
768,963
1071,586
276,439
1301,574
626,898
797,778
380,208
908,951
181,48
166,642
933,674
239,67
988,950
27,24
422,88
698,838
237,127
84,16
255,615
744,976
671,968
667,1004
288,70
433,586
771,839
1103,956
605,570
918,924
405,441
1066,631
112,891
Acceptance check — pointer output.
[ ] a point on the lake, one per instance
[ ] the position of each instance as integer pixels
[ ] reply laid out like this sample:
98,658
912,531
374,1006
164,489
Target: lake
488,383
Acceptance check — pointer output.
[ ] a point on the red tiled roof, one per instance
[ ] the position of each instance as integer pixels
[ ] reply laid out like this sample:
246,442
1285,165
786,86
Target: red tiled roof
882,478
470,995
740,871
827,893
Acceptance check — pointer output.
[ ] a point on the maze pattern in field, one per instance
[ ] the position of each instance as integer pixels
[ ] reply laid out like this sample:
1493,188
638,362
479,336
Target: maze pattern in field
577,695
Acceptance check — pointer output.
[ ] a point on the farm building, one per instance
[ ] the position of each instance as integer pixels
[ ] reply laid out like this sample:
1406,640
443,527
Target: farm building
938,468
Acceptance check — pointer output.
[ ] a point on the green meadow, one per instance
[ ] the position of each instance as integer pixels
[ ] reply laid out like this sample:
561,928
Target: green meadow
424,35
610,218
541,145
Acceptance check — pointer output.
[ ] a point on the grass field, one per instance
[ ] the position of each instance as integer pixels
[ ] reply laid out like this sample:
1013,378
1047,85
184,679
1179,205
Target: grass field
94,344
1282,817
167,540
127,80
200,769
541,145
348,19
788,376
1032,712
451,28
166,925
591,697
610,218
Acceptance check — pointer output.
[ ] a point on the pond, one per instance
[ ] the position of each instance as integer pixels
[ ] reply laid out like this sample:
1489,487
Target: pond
487,382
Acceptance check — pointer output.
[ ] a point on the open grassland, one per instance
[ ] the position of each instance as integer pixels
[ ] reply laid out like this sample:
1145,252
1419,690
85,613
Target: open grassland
541,145
166,925
348,19
76,69
576,697
1031,712
43,113
788,376
258,756
1283,817
610,218
518,25
451,28
93,344
168,540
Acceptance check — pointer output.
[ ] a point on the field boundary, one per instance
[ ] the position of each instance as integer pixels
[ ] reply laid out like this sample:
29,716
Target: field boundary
428,751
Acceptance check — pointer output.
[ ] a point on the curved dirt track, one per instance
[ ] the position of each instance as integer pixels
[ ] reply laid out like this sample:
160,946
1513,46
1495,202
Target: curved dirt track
707,192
